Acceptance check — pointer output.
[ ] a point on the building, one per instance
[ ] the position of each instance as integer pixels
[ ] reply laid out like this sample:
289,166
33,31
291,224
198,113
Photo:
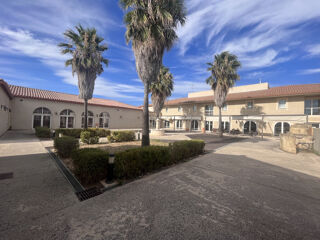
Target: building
249,108
26,108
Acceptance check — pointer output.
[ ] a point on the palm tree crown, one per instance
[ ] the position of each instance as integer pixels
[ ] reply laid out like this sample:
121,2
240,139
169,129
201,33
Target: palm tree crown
161,89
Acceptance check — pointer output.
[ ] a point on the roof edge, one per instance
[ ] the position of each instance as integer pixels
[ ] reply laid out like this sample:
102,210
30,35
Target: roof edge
6,88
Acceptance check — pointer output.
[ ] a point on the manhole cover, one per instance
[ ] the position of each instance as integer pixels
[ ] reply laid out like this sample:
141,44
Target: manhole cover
89,193
6,175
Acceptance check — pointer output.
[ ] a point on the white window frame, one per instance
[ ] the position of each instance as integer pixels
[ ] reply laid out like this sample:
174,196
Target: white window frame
42,115
89,117
194,108
166,109
70,113
247,105
286,104
311,107
166,124
179,109
179,124
194,129
208,112
106,118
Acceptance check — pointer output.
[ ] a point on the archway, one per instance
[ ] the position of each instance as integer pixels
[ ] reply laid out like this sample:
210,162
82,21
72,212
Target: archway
249,127
41,117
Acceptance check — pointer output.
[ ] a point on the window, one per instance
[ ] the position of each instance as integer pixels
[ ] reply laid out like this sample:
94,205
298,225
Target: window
209,110
90,119
152,123
312,107
250,105
224,107
67,118
104,120
281,127
225,126
166,124
315,125
194,108
41,117
179,109
282,104
250,127
209,125
166,109
179,124
194,125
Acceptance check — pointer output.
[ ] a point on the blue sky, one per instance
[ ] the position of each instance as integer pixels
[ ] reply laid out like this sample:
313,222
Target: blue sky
276,41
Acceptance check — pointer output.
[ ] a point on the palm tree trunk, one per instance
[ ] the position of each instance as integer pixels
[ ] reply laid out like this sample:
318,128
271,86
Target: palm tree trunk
85,125
220,123
145,127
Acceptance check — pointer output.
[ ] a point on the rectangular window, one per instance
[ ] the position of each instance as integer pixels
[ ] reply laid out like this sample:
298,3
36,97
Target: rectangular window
315,125
282,104
166,124
63,122
224,107
194,108
179,109
250,105
312,107
209,110
179,124
166,109
90,122
209,125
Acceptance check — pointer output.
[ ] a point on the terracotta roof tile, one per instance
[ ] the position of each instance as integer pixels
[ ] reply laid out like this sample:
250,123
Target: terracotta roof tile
284,91
25,92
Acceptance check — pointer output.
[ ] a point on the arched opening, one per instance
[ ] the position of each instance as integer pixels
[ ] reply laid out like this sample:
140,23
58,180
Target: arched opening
104,120
41,117
194,125
281,127
67,118
90,119
249,127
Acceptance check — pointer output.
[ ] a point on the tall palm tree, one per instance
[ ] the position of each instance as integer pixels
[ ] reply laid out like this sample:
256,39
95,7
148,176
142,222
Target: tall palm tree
160,90
223,76
151,26
86,50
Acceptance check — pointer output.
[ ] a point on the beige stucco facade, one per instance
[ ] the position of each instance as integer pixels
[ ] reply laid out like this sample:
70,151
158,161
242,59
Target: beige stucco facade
119,118
5,111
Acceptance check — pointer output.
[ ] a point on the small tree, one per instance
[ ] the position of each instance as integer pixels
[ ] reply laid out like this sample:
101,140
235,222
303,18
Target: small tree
86,50
160,90
223,76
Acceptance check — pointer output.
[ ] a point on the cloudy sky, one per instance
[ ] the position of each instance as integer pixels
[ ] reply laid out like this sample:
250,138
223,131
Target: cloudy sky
276,41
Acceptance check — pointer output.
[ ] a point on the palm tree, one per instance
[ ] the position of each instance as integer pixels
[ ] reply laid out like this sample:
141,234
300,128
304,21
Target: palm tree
160,90
223,76
151,28
86,50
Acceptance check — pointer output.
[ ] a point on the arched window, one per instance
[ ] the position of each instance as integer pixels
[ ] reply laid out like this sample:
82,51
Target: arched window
104,120
67,118
194,125
41,117
281,127
90,119
250,127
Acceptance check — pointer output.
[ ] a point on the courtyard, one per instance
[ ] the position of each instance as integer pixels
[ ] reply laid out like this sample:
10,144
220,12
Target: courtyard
241,189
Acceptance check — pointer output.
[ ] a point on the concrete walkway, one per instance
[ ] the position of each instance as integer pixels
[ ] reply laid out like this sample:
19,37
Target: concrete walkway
37,187
243,190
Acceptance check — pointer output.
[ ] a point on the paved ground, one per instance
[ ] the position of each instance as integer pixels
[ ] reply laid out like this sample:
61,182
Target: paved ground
244,190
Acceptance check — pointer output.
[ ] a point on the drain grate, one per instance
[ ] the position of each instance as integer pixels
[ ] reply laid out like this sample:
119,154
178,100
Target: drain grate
6,175
89,193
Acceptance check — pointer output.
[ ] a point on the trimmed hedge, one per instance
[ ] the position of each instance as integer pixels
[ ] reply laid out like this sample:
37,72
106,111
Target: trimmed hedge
65,145
76,132
121,136
43,132
90,164
181,150
89,137
135,162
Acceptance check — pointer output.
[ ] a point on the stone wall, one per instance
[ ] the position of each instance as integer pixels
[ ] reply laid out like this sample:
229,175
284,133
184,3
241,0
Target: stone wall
316,135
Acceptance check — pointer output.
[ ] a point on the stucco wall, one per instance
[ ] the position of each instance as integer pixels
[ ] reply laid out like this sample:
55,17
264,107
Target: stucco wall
316,135
120,118
5,105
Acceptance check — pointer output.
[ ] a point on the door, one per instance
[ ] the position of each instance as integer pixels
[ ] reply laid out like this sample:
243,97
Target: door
36,121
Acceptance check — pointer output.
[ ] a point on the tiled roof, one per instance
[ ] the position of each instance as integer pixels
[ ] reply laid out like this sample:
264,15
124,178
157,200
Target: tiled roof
284,91
25,92
6,88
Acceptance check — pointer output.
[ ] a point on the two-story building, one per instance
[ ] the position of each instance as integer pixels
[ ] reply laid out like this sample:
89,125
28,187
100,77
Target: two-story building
249,108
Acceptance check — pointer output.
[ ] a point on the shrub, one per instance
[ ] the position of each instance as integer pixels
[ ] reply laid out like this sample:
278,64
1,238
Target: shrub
135,162
182,150
121,136
90,164
43,132
100,132
71,132
89,137
65,145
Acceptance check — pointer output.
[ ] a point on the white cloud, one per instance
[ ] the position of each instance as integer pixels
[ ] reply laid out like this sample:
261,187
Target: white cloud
314,49
310,71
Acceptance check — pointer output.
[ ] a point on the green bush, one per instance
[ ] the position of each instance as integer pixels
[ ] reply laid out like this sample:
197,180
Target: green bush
135,162
100,132
65,145
121,136
181,150
43,132
90,164
71,132
89,137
